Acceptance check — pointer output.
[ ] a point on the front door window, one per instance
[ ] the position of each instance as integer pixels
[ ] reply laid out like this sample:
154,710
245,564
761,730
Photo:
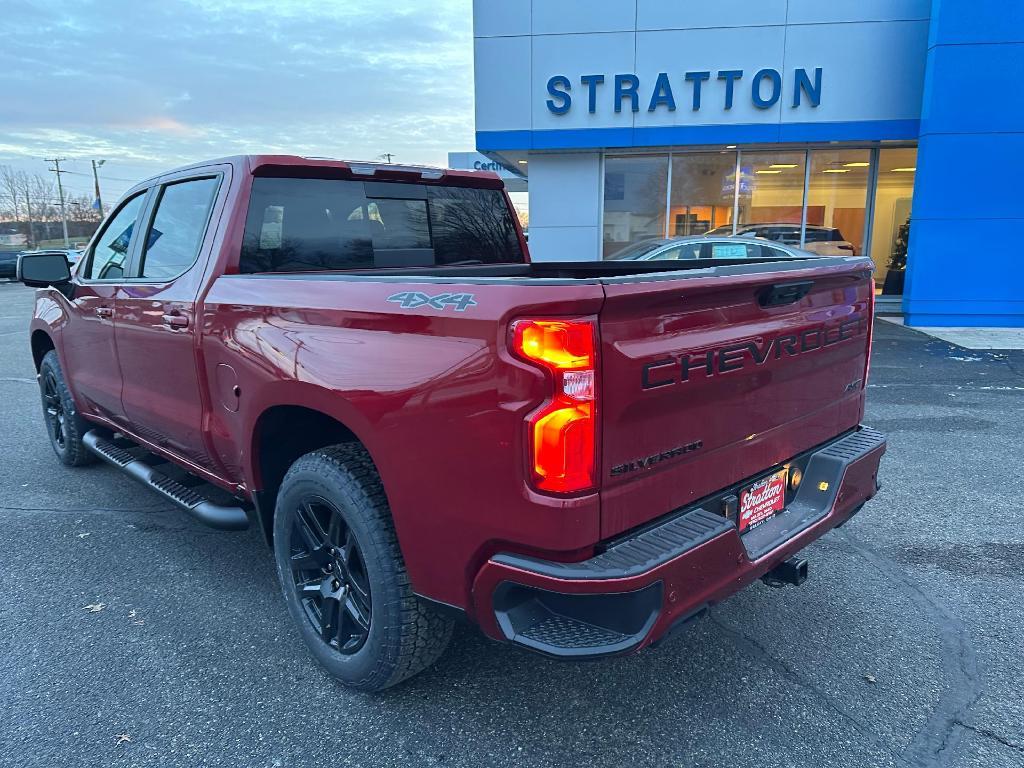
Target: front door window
110,254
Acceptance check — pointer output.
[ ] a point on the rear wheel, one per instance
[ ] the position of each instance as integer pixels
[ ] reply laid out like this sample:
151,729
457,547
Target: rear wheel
63,424
343,576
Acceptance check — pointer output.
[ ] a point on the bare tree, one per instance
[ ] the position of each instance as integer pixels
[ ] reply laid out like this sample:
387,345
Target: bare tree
11,184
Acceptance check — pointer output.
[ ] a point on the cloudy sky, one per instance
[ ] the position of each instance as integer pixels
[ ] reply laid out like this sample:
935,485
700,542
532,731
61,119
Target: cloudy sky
147,85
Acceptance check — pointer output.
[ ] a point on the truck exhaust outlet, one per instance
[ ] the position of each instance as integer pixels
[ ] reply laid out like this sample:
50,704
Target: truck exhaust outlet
792,571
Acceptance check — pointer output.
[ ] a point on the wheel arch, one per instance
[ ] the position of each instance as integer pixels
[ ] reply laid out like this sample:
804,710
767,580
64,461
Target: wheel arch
42,343
281,434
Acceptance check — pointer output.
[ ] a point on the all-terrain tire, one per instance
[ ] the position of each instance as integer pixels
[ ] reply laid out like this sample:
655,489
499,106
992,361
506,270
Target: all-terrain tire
64,425
405,634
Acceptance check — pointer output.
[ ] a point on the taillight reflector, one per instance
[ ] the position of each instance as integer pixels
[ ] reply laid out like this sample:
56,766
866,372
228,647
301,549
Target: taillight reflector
563,433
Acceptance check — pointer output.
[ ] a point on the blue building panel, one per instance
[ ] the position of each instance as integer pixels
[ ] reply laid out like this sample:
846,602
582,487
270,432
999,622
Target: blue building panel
974,89
968,177
959,22
963,267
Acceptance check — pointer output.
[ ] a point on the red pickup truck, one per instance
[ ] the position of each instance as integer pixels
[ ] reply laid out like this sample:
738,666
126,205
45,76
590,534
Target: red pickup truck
362,362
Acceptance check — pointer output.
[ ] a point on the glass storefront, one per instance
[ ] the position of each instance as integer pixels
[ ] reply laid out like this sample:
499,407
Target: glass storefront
635,190
891,230
837,200
831,201
702,193
772,194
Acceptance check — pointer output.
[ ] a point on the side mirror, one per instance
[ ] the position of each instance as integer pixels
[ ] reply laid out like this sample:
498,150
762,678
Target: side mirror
42,270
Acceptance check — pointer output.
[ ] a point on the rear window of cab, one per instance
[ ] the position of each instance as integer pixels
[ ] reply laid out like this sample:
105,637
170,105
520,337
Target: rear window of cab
302,225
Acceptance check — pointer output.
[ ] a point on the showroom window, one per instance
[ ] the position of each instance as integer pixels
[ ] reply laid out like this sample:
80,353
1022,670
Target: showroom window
702,193
890,233
771,195
835,201
635,191
837,195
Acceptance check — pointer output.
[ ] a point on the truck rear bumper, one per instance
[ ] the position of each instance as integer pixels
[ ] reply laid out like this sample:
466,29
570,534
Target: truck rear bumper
642,586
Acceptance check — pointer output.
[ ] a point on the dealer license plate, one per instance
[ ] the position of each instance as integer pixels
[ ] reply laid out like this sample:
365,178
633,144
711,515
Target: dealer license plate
762,500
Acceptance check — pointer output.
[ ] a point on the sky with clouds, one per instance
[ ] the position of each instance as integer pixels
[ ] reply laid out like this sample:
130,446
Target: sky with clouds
149,85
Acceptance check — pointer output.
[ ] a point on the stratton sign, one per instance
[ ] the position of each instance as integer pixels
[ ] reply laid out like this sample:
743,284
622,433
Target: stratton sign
626,91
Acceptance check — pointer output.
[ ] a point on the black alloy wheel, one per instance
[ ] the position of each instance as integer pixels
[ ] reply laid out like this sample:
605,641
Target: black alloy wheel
53,409
329,575
343,576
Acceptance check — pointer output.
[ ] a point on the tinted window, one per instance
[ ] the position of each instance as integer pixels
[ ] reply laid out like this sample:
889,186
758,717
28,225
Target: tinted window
314,224
298,225
399,223
111,249
822,235
176,233
472,224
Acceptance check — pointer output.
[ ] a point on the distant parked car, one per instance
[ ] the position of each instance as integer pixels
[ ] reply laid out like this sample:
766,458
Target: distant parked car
698,247
8,264
824,241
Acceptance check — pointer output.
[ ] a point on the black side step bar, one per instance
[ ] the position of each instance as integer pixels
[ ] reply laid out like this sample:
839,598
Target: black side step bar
203,510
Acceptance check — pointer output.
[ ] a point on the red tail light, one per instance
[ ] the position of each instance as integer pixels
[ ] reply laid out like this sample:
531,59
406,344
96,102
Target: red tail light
563,433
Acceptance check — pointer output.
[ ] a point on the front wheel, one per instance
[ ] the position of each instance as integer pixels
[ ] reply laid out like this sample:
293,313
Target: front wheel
342,573
63,424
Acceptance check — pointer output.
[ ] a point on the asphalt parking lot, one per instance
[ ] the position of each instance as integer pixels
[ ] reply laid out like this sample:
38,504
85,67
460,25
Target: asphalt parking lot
902,649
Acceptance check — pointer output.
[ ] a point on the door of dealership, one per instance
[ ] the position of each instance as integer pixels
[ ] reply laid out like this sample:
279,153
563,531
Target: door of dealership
828,200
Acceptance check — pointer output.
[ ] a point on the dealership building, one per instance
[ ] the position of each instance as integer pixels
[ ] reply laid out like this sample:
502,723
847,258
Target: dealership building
890,128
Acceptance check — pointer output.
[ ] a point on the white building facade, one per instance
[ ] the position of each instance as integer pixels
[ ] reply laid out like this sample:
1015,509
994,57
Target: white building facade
637,119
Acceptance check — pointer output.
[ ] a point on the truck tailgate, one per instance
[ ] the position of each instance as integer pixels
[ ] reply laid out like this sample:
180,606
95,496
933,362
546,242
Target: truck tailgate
711,378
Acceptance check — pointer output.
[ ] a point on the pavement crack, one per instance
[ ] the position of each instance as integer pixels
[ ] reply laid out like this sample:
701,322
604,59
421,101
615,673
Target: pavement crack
936,741
990,735
757,651
86,510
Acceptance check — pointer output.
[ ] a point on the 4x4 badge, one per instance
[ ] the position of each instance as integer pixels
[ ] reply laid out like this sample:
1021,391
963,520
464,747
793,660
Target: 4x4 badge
413,299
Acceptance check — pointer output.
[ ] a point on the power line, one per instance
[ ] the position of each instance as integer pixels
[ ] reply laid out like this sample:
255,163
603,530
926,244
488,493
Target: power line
105,178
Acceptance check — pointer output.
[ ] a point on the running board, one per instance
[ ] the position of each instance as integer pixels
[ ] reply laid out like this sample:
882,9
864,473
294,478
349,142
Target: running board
202,509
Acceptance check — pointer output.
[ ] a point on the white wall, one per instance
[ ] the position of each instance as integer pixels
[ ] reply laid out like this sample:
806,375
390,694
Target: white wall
565,206
872,53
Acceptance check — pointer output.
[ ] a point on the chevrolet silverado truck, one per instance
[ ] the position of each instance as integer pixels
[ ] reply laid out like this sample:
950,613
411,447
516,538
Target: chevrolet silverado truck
361,362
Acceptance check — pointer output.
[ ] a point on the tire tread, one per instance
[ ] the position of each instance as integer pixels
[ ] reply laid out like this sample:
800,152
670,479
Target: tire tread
423,633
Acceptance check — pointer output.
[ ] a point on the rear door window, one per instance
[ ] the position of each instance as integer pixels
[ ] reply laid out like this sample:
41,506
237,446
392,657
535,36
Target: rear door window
296,225
176,234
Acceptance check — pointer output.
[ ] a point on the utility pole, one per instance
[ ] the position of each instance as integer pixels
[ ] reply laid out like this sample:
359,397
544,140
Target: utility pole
60,191
28,206
96,178
385,156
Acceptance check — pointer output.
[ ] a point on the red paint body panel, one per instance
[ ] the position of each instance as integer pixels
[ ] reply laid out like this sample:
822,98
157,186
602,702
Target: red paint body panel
748,418
701,577
439,402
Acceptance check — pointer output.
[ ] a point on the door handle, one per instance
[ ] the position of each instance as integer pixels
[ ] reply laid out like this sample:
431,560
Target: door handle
105,312
175,320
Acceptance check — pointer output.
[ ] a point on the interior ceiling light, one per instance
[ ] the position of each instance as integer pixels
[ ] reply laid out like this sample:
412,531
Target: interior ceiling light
783,165
764,170
730,146
522,162
856,165
903,170
836,170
